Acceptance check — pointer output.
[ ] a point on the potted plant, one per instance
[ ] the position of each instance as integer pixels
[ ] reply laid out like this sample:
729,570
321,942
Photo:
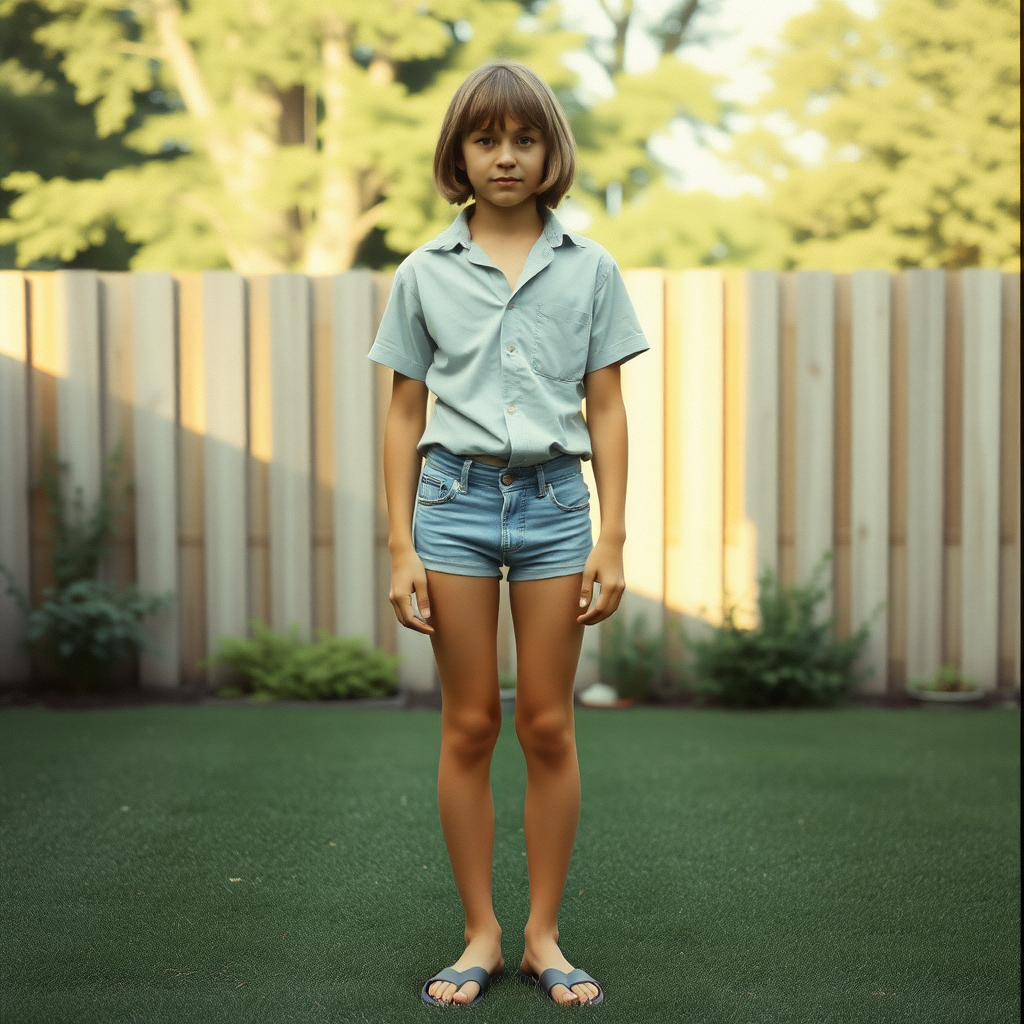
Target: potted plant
947,685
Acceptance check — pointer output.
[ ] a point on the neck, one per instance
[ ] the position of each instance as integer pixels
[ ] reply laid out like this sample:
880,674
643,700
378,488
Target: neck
487,219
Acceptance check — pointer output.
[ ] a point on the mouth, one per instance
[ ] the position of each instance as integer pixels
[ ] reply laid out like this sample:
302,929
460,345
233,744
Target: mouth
506,181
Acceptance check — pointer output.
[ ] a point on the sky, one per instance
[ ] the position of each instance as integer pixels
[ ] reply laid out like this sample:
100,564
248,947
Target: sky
737,25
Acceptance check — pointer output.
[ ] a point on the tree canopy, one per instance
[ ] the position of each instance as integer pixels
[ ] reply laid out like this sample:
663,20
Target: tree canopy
919,113
293,129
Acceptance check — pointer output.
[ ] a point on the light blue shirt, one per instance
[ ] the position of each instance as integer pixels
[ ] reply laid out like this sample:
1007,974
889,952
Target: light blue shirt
507,366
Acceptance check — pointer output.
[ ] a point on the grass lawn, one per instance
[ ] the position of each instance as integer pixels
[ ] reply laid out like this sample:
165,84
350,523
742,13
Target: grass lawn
211,864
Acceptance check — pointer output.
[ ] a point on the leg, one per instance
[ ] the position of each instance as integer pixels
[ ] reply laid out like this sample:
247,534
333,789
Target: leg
464,614
548,644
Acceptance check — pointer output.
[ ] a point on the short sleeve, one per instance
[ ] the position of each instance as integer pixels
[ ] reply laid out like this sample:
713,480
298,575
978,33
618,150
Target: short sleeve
402,341
615,332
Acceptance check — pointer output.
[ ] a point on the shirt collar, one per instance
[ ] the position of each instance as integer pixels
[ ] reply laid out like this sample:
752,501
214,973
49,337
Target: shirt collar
457,233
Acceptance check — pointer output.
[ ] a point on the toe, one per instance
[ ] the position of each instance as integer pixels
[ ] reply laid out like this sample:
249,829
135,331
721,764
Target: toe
564,995
467,993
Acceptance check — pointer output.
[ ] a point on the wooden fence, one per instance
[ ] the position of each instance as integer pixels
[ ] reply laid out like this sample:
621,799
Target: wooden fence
778,415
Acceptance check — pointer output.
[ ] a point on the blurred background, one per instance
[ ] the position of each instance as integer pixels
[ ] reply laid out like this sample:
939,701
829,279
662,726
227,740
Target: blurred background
297,134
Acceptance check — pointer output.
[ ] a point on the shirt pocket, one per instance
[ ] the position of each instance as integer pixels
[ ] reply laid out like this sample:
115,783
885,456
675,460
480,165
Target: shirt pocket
561,339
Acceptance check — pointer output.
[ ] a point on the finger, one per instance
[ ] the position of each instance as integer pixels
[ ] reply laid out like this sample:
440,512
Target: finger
586,590
412,621
593,613
422,597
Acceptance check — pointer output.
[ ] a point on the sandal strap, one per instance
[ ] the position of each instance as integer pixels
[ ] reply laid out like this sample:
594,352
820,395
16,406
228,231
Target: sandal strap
553,976
459,978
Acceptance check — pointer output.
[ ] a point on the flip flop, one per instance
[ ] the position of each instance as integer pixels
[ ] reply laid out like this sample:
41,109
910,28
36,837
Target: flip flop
553,976
459,978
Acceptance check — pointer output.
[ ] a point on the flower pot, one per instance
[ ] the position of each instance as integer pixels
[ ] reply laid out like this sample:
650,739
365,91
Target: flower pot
947,696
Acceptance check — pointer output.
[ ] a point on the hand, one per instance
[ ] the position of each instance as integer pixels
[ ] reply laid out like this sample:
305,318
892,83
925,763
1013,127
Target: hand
605,566
408,576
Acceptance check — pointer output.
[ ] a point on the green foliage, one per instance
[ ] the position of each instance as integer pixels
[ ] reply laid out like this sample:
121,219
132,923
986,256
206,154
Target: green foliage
639,665
299,136
276,666
918,112
947,679
792,656
85,625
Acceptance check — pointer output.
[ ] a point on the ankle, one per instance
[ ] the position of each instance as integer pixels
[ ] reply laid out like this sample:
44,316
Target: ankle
485,930
540,935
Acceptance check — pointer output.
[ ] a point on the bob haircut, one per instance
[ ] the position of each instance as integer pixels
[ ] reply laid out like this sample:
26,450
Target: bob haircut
490,95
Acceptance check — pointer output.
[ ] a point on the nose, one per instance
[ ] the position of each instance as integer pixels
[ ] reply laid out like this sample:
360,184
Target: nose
506,156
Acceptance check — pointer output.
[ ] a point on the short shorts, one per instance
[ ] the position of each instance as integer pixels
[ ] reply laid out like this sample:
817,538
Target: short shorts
472,518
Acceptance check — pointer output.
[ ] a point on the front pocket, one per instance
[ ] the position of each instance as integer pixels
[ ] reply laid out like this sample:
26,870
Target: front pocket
570,494
561,341
435,489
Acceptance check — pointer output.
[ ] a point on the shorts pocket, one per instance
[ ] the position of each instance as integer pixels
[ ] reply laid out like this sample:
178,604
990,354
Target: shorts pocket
437,488
561,341
570,494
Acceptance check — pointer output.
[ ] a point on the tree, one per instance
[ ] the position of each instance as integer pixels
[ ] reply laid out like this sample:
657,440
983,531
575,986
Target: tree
299,130
917,110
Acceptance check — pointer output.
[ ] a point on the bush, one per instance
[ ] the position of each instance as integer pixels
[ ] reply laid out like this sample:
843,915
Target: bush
790,658
637,665
276,666
84,626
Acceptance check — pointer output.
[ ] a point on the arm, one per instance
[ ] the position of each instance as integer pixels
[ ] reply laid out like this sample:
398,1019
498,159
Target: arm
606,421
404,426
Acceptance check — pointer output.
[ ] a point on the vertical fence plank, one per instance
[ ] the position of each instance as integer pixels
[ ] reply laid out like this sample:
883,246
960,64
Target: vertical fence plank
323,454
842,470
979,595
869,455
191,491
751,487
355,468
78,385
814,420
224,455
291,542
118,396
14,473
156,470
1009,488
643,388
694,424
922,294
261,449
952,449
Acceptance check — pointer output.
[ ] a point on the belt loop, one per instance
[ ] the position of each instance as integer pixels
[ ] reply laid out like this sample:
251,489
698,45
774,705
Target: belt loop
464,480
540,480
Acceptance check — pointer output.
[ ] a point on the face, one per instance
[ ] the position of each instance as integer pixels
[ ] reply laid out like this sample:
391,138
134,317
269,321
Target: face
505,167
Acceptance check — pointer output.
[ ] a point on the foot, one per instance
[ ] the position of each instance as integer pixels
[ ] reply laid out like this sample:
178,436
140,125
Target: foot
481,951
544,953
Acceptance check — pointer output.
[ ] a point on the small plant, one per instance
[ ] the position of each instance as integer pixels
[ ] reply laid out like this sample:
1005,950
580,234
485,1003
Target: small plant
506,680
84,625
947,679
790,658
281,666
636,664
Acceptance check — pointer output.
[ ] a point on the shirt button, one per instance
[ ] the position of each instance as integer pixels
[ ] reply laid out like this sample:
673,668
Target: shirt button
511,348
506,479
511,408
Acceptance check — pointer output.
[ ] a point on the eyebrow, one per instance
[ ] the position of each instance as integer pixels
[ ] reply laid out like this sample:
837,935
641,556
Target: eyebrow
488,131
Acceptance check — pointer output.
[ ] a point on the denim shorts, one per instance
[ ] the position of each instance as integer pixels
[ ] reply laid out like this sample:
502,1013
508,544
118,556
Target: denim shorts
472,518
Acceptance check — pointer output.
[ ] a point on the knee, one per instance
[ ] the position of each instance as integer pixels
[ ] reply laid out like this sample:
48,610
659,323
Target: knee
545,735
470,734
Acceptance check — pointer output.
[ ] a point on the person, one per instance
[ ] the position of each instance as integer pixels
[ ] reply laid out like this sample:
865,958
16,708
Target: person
510,320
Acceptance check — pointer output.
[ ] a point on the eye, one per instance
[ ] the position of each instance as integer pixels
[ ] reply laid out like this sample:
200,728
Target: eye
525,139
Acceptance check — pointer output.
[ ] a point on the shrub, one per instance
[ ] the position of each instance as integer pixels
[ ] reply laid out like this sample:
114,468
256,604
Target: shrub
636,664
947,679
280,666
790,658
84,626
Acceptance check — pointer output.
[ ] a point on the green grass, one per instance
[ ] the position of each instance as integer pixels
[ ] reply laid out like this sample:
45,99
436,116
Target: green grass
846,866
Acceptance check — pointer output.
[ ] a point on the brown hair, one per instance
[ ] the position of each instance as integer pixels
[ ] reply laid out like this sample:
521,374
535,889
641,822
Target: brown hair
494,92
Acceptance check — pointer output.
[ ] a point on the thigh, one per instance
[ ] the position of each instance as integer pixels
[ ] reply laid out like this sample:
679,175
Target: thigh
548,641
464,614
